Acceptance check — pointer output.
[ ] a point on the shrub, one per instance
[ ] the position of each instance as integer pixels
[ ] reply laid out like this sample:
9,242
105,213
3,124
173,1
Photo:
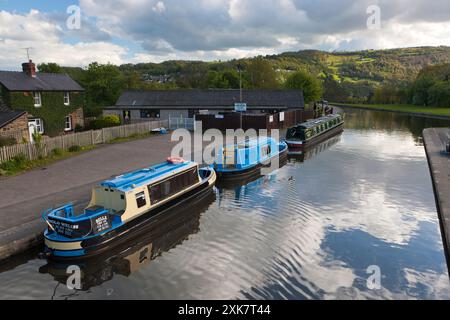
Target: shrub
57,152
7,141
17,163
105,122
75,148
79,128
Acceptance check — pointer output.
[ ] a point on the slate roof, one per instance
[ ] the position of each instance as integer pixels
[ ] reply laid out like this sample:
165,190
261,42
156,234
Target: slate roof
209,99
7,117
19,81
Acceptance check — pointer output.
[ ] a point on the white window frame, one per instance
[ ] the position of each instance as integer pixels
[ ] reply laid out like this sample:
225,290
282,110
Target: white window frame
67,98
38,125
68,121
37,99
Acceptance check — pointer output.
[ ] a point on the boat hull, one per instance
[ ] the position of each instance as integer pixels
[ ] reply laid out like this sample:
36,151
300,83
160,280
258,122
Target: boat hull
255,171
69,250
297,147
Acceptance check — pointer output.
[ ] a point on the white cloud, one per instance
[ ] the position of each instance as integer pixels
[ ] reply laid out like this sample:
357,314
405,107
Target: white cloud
44,37
159,7
159,30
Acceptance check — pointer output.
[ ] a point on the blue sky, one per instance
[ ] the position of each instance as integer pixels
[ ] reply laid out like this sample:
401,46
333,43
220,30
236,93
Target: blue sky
131,31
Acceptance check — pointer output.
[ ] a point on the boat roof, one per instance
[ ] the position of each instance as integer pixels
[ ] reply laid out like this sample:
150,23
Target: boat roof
146,176
315,122
248,143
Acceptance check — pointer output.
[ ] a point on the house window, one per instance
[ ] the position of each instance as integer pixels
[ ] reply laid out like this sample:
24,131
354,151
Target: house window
68,125
149,113
37,99
66,98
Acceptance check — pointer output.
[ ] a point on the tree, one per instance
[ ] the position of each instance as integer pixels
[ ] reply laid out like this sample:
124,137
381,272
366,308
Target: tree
260,74
420,90
104,83
50,67
439,94
312,88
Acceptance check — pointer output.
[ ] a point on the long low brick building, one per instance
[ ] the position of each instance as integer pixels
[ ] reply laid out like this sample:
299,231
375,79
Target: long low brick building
138,105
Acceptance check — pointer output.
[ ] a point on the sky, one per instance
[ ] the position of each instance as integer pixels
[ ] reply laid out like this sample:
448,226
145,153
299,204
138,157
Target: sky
133,31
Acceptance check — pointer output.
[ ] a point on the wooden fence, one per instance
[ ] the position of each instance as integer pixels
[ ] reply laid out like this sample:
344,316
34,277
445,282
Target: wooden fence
83,139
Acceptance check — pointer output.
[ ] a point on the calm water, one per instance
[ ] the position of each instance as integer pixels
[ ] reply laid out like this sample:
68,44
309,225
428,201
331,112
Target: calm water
309,230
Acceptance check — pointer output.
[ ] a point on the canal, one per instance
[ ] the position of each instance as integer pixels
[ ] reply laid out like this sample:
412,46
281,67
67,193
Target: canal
314,229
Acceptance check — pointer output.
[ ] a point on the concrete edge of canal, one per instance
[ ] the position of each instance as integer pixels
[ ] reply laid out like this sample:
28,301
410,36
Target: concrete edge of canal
20,239
439,165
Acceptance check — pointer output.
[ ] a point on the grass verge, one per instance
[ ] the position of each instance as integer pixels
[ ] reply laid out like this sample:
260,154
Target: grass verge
406,108
20,163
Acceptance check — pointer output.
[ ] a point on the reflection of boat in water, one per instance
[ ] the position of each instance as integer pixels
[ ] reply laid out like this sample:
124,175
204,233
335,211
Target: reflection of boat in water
164,233
122,206
236,183
309,153
314,131
246,159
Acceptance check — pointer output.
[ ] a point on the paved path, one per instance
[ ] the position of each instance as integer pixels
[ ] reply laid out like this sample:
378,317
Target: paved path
24,197
439,162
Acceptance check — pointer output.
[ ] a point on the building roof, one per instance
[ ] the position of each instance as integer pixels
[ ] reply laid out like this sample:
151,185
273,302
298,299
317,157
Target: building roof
20,81
210,99
8,117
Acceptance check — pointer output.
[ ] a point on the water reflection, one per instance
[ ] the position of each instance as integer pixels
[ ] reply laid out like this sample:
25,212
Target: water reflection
309,230
310,153
163,234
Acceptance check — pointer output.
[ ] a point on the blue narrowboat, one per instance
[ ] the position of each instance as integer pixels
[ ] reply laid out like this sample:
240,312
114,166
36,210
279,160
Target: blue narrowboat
122,206
245,159
312,132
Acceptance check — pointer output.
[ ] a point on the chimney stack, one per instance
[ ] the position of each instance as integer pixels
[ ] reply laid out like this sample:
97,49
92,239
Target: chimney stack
29,68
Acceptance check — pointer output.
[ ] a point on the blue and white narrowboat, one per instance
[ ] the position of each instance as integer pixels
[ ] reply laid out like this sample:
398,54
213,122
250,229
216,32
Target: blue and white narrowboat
245,159
122,206
312,132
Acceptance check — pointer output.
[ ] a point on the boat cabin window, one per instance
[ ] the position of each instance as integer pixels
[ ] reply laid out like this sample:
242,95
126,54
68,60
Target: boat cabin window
265,151
167,188
140,199
296,133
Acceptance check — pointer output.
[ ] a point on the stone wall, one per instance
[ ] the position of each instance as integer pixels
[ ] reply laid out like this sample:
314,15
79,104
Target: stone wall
17,128
77,118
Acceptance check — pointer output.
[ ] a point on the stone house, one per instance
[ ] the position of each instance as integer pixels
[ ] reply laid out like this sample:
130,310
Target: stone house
53,103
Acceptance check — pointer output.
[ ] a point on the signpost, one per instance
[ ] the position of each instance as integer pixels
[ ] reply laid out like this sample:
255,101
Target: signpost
240,107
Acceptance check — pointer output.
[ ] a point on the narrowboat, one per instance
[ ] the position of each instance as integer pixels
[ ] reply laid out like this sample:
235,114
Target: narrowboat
246,159
122,206
314,131
161,235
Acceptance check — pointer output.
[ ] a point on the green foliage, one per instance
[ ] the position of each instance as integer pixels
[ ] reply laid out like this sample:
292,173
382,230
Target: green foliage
311,87
420,90
260,74
7,141
38,143
50,68
18,163
104,83
347,76
439,94
57,152
104,122
75,148
53,111
388,94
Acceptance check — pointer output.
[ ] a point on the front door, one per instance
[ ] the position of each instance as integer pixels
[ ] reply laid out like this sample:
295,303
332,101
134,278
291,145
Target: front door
126,116
35,125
